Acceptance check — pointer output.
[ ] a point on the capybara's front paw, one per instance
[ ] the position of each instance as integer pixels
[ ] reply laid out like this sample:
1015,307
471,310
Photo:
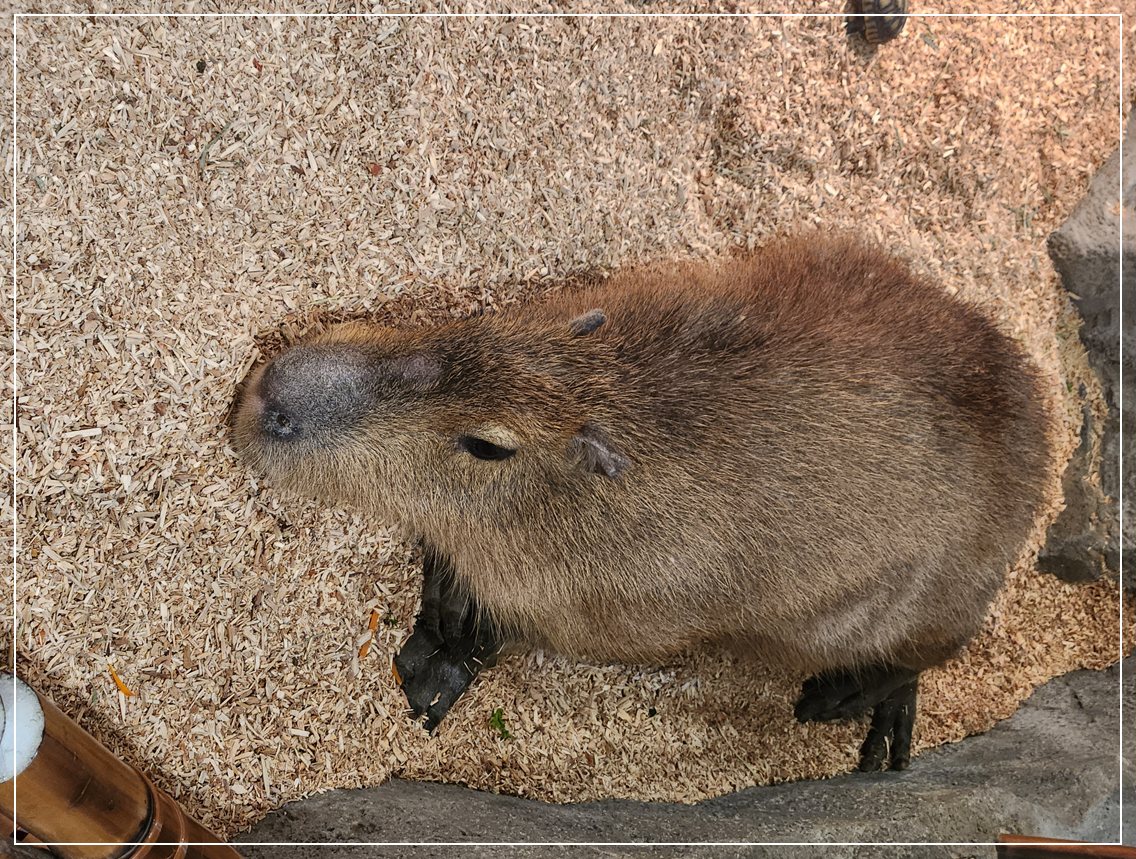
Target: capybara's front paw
433,676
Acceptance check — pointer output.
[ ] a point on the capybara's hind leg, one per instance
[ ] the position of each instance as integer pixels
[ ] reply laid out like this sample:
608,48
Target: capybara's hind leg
893,720
452,641
888,692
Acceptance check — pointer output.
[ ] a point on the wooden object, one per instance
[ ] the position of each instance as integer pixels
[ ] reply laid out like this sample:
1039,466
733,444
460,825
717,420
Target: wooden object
73,795
1026,847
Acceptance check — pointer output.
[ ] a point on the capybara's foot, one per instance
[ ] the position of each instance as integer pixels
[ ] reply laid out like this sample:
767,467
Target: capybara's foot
452,641
889,738
888,692
433,676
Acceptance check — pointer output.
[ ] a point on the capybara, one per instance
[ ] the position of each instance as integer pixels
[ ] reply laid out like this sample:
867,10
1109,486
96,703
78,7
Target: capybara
809,454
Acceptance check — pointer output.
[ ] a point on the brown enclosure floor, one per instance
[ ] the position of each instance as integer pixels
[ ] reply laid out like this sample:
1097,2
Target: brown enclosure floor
172,220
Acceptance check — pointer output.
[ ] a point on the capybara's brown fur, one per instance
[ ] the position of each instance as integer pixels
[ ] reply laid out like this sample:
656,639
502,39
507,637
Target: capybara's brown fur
810,454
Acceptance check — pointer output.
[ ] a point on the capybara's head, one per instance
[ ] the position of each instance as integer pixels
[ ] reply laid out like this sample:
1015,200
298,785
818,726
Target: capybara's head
411,423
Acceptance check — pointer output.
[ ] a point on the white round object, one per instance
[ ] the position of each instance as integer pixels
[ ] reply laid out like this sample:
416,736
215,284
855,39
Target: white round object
22,728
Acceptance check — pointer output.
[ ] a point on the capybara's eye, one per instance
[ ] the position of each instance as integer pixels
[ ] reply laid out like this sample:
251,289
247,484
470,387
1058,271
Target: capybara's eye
479,448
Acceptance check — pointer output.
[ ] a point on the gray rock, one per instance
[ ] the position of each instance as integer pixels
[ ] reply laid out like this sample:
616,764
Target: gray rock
1051,770
1128,394
1084,542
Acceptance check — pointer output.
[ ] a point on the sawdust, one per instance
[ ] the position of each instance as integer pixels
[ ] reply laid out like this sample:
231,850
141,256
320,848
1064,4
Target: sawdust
192,191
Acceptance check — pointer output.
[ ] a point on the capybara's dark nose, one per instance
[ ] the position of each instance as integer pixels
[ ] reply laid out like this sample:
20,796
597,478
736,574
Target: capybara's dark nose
310,389
279,424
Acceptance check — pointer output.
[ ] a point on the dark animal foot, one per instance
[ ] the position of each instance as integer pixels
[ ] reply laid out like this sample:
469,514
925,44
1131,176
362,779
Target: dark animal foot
452,641
878,21
888,692
433,676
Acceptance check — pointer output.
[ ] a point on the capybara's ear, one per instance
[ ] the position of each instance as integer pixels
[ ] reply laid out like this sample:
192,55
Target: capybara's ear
597,452
587,322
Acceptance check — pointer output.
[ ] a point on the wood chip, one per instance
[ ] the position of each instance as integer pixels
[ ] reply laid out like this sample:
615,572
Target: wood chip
174,222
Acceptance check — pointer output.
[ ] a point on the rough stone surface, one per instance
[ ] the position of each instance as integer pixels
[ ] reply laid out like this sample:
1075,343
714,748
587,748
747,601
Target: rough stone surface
1128,262
1128,813
1050,770
1076,547
1084,542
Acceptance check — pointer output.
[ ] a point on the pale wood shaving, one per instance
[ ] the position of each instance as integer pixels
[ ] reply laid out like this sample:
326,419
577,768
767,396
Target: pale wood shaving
173,224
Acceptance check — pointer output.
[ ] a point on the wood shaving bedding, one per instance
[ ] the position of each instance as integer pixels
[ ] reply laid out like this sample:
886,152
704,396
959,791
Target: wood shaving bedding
195,191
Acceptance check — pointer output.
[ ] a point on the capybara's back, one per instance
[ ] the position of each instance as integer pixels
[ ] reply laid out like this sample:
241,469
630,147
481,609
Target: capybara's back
809,454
